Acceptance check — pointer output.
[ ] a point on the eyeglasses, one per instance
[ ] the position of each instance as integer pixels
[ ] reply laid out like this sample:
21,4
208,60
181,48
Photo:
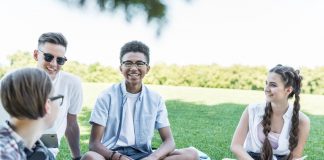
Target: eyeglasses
49,57
138,64
58,97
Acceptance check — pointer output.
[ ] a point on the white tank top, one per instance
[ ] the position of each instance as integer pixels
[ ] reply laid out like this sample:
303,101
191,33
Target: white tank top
272,136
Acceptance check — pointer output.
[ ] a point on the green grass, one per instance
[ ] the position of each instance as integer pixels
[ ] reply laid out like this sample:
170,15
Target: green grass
206,118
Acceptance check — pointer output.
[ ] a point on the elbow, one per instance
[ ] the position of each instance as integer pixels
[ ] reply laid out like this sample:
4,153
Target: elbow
173,146
236,149
92,146
233,148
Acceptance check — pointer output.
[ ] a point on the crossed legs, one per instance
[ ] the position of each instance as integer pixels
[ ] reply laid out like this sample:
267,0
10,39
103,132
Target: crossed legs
178,154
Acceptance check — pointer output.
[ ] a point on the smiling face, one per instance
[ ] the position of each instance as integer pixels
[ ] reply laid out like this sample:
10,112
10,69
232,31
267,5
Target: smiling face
134,74
275,90
52,68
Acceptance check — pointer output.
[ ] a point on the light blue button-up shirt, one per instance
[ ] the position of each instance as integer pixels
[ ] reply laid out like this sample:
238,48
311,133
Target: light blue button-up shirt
150,113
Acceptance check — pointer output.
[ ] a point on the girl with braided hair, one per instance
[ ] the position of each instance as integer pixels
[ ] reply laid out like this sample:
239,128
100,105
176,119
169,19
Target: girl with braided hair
276,129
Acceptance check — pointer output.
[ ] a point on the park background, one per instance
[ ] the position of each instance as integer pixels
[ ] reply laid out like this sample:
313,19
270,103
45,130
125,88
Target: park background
209,60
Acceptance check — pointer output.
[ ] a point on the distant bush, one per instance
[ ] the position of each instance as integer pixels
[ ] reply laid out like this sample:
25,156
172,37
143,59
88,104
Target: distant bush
211,76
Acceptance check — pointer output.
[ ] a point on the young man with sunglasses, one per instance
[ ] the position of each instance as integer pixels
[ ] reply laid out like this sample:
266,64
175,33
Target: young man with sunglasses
50,56
126,114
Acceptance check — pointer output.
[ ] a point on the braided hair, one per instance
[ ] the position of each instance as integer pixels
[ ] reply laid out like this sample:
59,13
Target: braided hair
291,78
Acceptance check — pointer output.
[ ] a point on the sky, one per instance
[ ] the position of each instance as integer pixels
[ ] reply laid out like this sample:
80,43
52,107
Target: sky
224,32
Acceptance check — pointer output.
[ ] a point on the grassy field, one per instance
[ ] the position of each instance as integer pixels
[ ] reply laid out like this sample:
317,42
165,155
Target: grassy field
206,118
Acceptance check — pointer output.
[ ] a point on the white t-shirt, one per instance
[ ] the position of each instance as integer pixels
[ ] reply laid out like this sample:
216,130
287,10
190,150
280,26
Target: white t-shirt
70,87
127,132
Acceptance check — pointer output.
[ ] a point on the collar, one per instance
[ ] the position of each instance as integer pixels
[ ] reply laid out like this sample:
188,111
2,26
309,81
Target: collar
124,91
56,77
14,134
286,116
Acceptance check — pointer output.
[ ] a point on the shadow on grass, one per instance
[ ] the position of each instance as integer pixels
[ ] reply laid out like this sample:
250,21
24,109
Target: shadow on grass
206,127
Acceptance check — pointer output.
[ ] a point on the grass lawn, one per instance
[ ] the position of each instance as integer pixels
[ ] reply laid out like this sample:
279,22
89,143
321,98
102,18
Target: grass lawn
206,118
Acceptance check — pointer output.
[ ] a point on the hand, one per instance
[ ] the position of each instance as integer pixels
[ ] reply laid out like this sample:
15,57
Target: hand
149,158
119,156
125,158
301,158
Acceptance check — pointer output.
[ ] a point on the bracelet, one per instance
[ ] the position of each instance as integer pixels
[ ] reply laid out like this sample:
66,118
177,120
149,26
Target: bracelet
112,155
76,158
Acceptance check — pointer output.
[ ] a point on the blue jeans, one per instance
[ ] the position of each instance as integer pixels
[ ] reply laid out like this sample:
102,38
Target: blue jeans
257,156
133,152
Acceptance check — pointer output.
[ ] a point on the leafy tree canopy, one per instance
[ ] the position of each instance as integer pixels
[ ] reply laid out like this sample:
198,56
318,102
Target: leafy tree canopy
154,10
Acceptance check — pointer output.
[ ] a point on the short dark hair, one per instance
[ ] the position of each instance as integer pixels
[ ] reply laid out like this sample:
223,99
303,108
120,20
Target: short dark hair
24,93
135,46
52,37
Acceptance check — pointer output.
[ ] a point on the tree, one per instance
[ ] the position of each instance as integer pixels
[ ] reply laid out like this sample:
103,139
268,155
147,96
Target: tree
21,59
154,10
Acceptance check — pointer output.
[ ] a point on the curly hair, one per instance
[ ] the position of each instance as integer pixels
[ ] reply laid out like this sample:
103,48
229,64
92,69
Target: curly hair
135,46
291,78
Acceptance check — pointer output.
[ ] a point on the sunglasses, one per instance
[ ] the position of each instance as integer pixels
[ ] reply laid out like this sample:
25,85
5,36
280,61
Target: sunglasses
49,57
58,97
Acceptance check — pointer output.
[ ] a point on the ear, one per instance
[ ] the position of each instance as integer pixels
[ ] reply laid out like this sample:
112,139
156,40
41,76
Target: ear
120,68
148,69
35,55
47,107
289,89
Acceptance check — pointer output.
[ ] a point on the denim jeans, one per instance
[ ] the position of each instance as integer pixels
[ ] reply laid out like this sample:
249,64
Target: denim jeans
133,152
257,156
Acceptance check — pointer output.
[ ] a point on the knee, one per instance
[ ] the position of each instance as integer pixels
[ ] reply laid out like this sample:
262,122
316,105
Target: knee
91,156
191,154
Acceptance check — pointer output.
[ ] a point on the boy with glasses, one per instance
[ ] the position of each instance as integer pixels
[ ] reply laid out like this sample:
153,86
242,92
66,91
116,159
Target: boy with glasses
28,96
50,56
126,114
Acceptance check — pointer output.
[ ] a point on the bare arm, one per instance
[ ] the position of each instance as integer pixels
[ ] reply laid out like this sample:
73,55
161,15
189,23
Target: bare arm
239,137
304,128
72,134
167,145
95,144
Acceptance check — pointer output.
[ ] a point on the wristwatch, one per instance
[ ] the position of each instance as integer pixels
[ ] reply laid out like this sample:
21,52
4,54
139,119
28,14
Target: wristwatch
77,158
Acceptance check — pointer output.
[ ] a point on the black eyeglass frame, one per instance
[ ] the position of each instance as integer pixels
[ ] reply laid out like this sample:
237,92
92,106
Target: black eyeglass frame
131,64
48,57
57,97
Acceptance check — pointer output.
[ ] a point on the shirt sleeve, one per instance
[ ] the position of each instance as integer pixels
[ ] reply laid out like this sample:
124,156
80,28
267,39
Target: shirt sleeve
99,114
9,150
76,99
8,156
162,116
